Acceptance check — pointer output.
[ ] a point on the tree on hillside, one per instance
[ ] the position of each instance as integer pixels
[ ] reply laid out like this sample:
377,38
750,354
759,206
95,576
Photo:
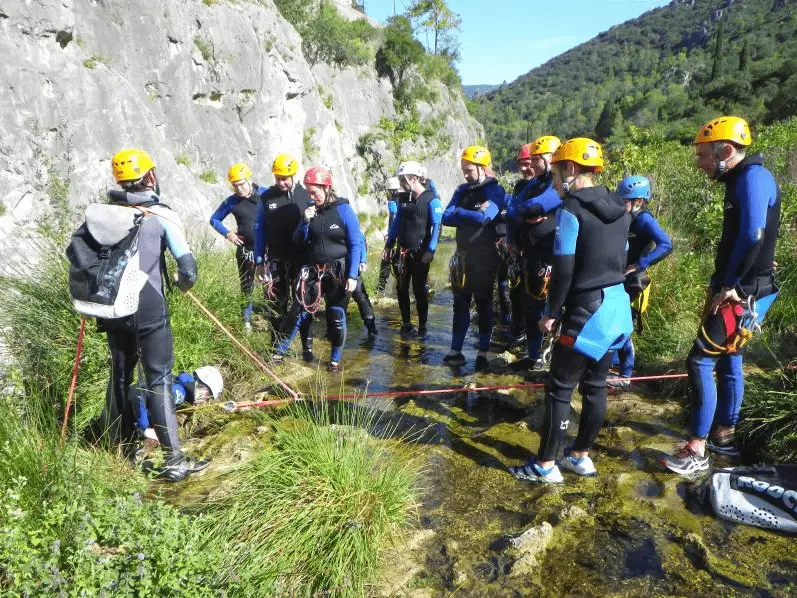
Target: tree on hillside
609,121
399,52
438,20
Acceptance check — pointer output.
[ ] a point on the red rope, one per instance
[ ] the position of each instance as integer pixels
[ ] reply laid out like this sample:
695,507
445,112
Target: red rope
75,369
259,362
433,391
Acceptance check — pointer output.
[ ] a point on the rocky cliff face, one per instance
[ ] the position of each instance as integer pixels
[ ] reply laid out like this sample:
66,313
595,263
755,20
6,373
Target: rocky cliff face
198,86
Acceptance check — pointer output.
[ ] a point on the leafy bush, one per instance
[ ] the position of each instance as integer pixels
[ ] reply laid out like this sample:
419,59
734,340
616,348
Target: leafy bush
399,52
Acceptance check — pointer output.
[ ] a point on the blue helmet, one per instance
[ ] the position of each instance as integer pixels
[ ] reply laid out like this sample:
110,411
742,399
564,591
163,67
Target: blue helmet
634,187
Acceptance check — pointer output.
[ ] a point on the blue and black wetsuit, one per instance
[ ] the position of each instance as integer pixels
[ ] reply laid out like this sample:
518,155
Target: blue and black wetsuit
533,212
182,394
587,295
504,231
360,293
648,244
476,260
745,261
416,230
384,265
147,334
278,215
244,210
331,244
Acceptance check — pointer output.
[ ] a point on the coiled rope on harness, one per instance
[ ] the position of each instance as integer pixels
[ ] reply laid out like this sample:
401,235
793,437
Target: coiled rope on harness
740,321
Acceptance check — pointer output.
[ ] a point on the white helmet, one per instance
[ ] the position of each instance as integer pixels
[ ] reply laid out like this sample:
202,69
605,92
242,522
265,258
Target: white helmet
210,377
410,168
393,184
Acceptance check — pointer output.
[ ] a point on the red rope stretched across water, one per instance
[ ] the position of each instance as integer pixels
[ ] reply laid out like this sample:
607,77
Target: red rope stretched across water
231,406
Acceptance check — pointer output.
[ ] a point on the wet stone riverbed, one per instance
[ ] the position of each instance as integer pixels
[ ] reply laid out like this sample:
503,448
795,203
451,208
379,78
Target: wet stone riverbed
633,530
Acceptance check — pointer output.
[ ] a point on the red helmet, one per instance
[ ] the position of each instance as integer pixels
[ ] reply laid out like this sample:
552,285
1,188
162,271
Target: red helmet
317,175
524,153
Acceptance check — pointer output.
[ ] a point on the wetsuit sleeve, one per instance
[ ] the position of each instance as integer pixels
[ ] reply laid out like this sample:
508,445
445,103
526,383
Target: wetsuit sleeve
178,246
564,261
259,231
351,227
449,214
454,215
301,234
435,219
545,202
649,227
363,249
224,210
179,393
754,190
393,231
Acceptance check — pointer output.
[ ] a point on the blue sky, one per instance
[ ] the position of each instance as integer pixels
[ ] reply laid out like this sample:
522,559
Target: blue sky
504,39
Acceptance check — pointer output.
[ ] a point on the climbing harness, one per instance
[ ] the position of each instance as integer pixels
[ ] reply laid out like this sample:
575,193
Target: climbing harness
740,322
514,269
544,278
456,270
400,263
549,342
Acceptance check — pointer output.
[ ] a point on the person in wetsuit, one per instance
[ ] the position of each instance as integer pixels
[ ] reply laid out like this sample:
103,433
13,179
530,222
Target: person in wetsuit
648,244
360,294
330,240
279,212
393,197
587,299
147,334
416,230
533,213
472,211
741,290
242,204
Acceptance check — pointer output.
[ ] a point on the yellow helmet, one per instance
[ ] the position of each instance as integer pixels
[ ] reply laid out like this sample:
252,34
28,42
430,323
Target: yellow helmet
477,154
547,144
284,165
131,165
725,128
238,172
580,150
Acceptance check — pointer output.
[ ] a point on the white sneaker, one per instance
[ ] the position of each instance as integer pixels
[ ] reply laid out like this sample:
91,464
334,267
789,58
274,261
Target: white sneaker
583,466
149,434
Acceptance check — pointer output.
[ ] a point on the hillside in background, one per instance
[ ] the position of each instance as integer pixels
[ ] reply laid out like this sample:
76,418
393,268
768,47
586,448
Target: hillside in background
669,71
473,91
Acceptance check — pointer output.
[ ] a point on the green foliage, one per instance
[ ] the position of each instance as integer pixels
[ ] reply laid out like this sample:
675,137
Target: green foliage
327,36
309,516
769,416
669,71
209,176
183,159
309,145
439,21
399,52
92,61
327,98
205,48
73,521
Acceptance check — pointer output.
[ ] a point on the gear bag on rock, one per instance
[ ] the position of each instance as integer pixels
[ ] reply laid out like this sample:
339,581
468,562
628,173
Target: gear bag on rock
105,279
763,496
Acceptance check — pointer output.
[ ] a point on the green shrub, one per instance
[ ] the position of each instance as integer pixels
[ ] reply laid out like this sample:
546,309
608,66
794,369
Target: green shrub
205,48
183,159
310,516
399,52
209,176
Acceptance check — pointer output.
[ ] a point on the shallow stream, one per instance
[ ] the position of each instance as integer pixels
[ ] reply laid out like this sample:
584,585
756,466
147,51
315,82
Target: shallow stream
633,530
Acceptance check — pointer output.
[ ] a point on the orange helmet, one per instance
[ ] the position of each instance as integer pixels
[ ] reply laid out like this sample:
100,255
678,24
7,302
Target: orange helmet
581,150
547,144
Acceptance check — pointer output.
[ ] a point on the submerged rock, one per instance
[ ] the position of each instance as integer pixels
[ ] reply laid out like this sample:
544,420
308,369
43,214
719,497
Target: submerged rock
529,546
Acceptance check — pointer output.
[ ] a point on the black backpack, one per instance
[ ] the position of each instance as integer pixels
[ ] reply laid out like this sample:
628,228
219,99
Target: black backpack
105,279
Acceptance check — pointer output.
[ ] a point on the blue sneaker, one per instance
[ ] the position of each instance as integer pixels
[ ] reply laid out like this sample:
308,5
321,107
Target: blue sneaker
532,472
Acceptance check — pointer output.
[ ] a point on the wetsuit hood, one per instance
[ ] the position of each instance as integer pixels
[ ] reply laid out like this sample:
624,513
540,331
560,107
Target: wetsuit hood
601,202
132,198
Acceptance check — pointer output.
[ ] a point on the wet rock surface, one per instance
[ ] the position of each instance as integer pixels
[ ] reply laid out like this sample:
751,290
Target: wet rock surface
634,530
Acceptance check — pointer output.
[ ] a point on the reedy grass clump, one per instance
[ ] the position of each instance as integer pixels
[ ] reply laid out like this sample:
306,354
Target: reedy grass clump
769,417
310,516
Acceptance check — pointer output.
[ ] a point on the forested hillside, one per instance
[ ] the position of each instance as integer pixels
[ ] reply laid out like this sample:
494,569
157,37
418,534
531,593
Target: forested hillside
669,71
